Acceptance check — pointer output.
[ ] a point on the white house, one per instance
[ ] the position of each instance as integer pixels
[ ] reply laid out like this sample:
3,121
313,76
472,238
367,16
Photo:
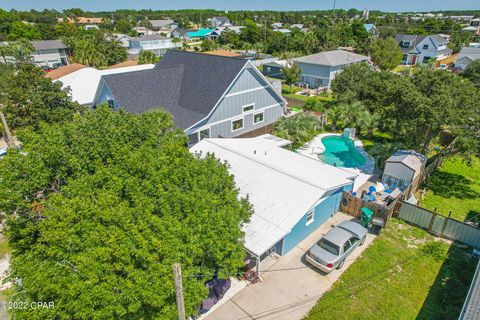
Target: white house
402,168
51,53
422,49
466,56
217,32
292,195
83,83
220,22
156,43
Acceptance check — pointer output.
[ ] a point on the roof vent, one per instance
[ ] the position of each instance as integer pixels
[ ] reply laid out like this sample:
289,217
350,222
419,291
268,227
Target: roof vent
254,151
265,152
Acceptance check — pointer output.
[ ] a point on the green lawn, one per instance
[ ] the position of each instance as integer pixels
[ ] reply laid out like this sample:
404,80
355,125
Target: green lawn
455,187
398,278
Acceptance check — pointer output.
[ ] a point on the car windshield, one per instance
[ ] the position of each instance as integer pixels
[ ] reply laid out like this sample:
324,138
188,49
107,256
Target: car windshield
330,247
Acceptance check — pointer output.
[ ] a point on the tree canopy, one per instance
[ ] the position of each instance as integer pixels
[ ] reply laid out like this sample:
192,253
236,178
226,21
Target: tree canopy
145,57
30,99
101,207
415,107
386,53
472,72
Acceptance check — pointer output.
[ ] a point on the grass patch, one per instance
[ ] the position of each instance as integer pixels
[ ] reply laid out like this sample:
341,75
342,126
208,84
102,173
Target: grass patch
402,275
4,248
455,186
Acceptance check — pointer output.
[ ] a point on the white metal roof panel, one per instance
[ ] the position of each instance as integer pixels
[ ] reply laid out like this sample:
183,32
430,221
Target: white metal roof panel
279,198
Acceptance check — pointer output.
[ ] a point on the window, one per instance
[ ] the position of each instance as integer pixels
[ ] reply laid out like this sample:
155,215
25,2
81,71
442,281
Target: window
268,69
310,217
330,247
347,246
248,107
192,138
258,117
426,59
405,44
425,46
111,104
237,125
204,134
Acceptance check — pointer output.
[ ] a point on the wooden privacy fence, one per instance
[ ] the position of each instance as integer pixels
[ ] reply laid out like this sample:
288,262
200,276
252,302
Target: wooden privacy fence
440,225
293,102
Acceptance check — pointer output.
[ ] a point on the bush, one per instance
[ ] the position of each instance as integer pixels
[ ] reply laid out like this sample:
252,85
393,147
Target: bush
435,249
314,104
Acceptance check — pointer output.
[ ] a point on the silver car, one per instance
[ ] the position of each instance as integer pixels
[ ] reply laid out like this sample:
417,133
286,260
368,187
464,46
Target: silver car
331,251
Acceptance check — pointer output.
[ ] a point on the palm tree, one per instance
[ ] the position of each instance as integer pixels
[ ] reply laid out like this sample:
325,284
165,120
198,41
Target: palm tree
298,129
86,53
368,122
291,74
21,50
5,51
334,113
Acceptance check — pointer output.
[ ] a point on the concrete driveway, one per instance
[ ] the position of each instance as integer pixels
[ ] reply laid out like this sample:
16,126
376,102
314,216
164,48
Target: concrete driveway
290,286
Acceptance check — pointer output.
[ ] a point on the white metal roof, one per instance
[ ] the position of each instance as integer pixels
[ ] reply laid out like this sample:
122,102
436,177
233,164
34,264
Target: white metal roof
84,82
281,185
410,158
332,58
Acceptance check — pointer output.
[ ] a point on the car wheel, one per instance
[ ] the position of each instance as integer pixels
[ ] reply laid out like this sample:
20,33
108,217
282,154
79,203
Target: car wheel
363,240
340,265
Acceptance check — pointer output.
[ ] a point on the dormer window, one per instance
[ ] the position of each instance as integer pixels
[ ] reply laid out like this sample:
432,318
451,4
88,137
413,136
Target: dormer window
425,46
111,104
405,44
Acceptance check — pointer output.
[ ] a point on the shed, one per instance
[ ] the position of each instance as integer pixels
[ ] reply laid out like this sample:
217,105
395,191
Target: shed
402,168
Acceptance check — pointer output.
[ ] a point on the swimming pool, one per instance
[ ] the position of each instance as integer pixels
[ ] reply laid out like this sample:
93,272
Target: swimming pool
341,152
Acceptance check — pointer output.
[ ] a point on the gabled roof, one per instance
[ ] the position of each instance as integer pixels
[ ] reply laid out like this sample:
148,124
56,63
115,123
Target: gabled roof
63,71
161,23
281,185
48,44
410,158
332,58
414,40
84,82
149,37
187,84
369,26
469,53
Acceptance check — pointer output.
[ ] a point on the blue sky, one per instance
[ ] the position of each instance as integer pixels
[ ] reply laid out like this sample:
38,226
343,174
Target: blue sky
106,5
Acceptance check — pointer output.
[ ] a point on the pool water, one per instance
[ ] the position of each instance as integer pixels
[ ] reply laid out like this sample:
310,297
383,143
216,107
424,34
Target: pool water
341,152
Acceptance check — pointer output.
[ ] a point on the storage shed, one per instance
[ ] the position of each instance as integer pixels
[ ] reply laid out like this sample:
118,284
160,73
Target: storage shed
402,168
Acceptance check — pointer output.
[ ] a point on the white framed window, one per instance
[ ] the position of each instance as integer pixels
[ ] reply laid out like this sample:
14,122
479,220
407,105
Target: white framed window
258,118
310,217
237,124
111,104
205,133
248,107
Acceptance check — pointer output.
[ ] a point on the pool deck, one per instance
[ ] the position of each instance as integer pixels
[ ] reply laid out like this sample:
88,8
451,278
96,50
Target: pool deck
315,147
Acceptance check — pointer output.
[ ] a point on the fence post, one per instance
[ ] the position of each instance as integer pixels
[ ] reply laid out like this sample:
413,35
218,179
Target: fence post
431,221
445,223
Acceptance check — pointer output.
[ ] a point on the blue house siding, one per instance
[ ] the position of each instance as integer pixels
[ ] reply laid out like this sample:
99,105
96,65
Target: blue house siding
323,211
315,75
272,71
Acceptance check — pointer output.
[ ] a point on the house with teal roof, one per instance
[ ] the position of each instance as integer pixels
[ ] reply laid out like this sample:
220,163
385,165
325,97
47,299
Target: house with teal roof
199,34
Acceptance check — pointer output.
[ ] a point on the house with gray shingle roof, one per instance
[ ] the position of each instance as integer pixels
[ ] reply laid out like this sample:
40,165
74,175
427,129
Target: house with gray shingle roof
319,69
217,22
207,95
422,49
466,56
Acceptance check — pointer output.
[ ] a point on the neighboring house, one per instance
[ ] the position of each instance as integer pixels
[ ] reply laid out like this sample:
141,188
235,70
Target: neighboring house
164,24
63,71
286,32
277,25
217,22
122,38
318,70
200,34
218,31
471,306
156,43
292,195
422,49
142,31
371,29
46,53
274,69
85,20
127,63
83,83
91,26
181,34
208,95
474,26
297,25
49,53
402,168
466,56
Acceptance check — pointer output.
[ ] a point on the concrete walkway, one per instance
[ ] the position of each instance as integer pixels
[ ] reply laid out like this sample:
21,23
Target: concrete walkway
290,286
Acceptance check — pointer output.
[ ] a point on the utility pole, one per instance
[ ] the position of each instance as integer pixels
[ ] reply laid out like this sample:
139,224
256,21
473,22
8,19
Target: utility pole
334,5
177,277
8,134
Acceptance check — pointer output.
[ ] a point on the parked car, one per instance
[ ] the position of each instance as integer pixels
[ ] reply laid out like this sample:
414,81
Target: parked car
334,247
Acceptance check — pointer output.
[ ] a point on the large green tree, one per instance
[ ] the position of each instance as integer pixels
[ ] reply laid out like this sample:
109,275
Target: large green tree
145,57
22,30
30,99
101,207
386,53
472,72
